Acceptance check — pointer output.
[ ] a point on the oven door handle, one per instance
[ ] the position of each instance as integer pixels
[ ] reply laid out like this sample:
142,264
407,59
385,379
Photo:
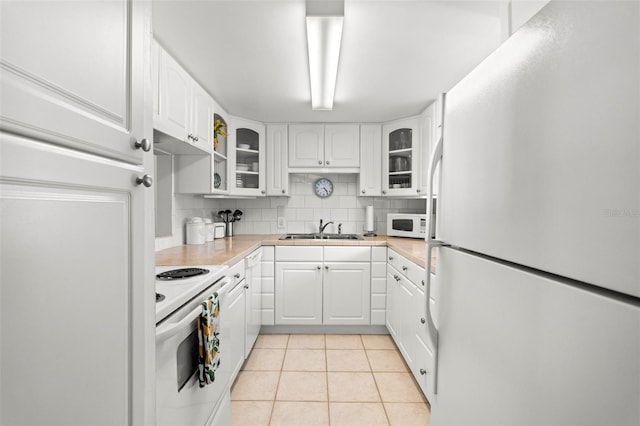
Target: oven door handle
165,331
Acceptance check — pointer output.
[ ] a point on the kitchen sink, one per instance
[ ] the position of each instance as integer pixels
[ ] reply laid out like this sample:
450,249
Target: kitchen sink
321,237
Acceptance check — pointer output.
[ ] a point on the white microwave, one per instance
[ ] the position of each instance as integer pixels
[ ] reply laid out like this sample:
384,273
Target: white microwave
409,225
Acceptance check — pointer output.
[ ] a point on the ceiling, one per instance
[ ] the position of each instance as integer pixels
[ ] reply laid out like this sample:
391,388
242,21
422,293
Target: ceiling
396,55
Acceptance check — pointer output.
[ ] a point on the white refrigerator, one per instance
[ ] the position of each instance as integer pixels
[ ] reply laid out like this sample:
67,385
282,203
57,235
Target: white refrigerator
538,227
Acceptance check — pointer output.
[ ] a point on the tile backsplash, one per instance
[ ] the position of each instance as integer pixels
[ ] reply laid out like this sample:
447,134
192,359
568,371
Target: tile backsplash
300,212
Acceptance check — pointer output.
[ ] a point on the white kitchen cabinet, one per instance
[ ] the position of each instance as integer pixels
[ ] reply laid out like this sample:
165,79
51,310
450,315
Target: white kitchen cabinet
268,285
370,177
185,110
277,156
346,293
378,285
77,230
335,146
247,154
64,82
401,158
323,285
253,297
298,292
406,319
204,174
392,314
235,316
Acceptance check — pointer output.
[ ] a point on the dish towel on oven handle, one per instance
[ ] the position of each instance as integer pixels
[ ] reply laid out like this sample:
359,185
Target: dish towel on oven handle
209,340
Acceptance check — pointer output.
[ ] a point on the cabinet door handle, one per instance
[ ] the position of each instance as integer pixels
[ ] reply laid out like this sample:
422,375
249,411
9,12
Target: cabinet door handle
236,276
422,283
283,191
404,268
423,320
384,192
417,189
246,286
263,192
144,144
327,162
326,267
423,371
318,267
145,180
196,139
397,278
320,162
390,257
190,136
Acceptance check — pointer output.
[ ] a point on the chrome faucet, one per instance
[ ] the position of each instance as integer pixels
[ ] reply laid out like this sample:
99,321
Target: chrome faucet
322,227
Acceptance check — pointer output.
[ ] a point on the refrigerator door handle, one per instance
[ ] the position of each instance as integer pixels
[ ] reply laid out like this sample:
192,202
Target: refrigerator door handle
432,331
436,157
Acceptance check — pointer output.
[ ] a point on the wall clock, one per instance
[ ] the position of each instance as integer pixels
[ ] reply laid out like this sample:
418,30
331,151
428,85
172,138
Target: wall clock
323,187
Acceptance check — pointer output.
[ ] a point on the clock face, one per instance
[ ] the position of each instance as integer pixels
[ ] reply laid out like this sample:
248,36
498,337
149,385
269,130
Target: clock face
323,187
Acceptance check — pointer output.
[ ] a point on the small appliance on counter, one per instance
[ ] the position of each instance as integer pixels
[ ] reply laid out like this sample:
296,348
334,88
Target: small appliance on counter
196,231
411,225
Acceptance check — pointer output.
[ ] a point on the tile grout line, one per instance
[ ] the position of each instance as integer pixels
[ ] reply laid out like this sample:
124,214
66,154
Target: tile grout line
275,395
384,408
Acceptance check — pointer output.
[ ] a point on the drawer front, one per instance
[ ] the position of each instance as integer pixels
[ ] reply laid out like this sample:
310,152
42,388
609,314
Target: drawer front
298,253
347,254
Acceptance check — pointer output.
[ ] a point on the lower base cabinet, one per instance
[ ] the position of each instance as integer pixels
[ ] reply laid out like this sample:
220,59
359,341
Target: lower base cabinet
298,293
328,285
235,315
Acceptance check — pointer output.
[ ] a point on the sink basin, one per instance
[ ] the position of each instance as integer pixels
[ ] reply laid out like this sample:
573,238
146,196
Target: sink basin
321,237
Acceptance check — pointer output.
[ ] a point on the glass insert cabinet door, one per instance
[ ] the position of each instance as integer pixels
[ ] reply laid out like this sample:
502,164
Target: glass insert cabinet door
248,141
247,158
400,158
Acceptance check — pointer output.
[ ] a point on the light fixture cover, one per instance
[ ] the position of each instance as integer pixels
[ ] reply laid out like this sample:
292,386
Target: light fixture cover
324,35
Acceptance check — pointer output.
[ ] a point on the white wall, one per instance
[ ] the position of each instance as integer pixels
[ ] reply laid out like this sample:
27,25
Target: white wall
301,211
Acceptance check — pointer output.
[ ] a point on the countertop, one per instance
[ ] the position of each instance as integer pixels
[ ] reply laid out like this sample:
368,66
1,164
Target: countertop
230,250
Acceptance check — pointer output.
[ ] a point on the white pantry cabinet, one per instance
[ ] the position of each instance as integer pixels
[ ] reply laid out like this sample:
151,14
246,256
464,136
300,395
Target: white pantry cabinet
277,155
77,220
370,177
324,146
184,109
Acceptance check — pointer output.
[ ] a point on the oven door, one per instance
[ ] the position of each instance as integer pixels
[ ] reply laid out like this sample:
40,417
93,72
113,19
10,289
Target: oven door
179,398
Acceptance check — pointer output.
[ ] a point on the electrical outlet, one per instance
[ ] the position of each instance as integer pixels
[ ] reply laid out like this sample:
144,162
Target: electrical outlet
281,223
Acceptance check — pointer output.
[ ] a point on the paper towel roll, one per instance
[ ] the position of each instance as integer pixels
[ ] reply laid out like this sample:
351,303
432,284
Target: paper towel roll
369,219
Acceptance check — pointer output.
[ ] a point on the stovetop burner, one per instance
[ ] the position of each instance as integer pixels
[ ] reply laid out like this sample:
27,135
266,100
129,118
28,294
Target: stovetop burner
178,274
159,297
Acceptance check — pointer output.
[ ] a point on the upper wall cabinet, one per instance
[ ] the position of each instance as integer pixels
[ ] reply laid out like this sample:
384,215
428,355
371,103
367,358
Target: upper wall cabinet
206,174
247,157
183,110
401,158
96,106
277,172
370,177
334,146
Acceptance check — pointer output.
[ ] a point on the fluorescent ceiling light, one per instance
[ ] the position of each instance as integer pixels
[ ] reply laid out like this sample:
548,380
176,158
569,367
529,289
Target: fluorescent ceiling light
324,34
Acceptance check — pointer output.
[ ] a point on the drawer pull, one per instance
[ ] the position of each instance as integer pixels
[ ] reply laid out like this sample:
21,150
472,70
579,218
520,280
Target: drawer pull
404,268
237,275
423,371
423,320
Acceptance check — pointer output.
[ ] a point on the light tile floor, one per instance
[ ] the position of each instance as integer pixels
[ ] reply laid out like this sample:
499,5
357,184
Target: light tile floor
326,379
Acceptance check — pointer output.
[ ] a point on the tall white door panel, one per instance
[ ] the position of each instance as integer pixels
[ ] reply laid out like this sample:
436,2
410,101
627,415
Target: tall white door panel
73,287
72,72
